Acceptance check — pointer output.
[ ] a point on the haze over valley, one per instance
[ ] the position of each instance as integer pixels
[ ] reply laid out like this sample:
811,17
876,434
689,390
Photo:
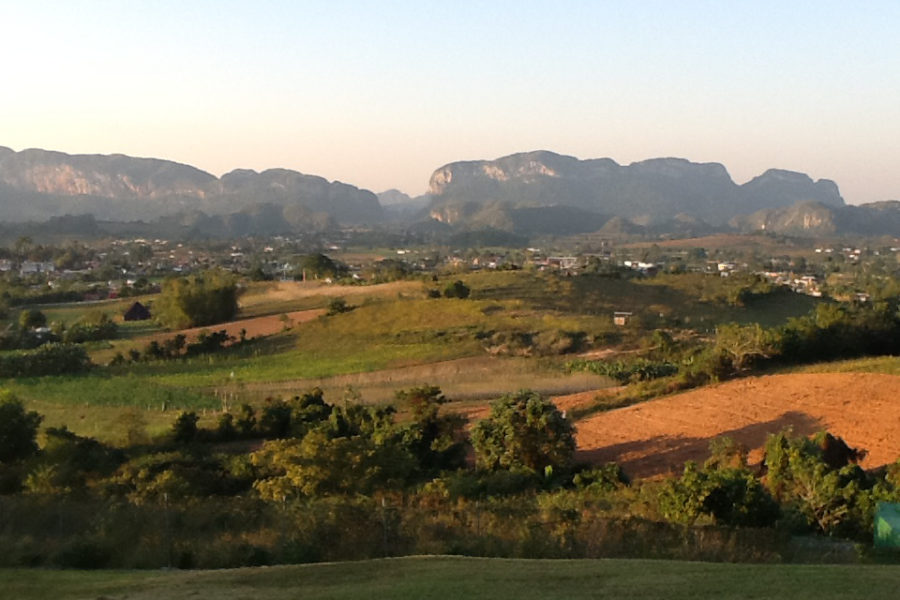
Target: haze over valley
529,193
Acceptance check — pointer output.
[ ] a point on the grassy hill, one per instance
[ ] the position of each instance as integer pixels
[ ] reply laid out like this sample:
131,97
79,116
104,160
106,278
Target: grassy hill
456,577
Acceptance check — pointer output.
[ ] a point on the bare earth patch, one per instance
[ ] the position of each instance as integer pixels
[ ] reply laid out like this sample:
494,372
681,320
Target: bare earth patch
256,327
655,438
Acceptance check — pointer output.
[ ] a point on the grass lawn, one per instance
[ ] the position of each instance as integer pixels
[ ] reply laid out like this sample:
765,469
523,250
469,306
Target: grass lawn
458,577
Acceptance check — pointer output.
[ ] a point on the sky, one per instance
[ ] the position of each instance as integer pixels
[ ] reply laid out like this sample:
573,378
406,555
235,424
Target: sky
381,93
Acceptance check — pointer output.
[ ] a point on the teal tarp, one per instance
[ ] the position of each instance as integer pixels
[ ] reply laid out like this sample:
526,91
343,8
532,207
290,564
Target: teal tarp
887,525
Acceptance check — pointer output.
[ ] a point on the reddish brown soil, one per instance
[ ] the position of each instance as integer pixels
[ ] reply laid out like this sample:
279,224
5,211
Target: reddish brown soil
655,438
259,326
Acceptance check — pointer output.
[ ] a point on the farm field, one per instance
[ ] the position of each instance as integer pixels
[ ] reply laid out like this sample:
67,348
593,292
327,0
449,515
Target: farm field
280,296
252,327
458,577
462,380
656,437
394,338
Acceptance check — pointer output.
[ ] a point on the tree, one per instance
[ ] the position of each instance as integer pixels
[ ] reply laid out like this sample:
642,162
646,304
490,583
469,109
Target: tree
246,421
185,427
524,430
308,411
434,439
203,299
68,461
317,266
730,496
743,344
338,306
457,289
824,487
32,318
724,489
18,429
320,465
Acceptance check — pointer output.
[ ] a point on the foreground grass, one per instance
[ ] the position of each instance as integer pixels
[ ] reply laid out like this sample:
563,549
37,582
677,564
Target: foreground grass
457,577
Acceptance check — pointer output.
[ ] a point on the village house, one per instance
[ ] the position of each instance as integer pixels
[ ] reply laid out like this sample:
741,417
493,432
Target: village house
621,318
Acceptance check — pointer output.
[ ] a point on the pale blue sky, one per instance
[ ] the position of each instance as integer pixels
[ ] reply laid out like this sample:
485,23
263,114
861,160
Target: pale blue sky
379,94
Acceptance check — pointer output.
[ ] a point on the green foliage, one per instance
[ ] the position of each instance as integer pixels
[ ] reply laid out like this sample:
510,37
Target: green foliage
457,289
625,371
338,306
606,478
203,299
246,420
275,419
308,411
743,345
49,359
18,429
93,327
479,484
31,318
184,429
173,477
818,480
225,429
68,462
321,465
319,266
835,331
434,439
730,496
524,430
389,269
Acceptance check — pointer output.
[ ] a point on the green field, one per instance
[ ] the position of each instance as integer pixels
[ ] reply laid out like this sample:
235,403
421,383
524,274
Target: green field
393,338
473,578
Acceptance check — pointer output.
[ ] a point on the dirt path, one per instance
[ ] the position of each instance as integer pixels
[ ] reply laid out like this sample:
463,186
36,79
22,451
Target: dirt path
656,437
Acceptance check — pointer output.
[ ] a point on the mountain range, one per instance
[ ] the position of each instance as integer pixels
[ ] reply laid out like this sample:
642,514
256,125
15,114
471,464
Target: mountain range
39,184
525,194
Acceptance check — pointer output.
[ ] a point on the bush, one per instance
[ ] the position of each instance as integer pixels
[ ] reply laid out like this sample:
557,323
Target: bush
184,429
18,429
338,306
204,299
49,359
457,289
524,430
625,371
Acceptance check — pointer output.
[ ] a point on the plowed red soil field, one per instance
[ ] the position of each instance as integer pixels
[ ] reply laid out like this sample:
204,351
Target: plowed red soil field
655,438
258,326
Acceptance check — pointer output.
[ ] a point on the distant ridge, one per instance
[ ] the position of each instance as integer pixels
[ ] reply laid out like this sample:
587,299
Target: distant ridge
39,184
522,195
648,192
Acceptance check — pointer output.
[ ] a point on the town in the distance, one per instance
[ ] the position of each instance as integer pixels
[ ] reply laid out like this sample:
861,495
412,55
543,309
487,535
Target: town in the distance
541,357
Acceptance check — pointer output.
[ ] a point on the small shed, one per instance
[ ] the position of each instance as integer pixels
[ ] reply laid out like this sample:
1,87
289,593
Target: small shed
621,318
887,525
137,312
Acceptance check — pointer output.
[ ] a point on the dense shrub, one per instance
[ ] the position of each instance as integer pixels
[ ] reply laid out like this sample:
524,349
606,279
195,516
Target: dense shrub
49,359
204,299
18,429
524,430
625,371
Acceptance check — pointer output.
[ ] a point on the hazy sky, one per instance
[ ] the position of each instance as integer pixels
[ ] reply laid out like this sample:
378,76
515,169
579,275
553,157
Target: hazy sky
379,93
